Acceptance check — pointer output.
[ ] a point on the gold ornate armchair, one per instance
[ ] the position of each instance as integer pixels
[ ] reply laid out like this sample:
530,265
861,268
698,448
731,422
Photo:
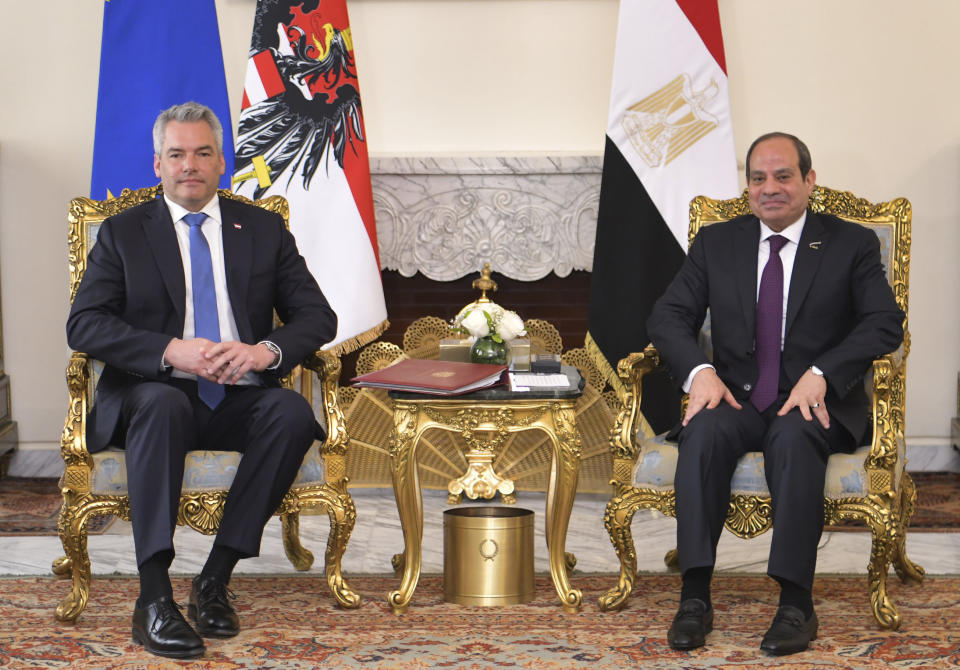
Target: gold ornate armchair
870,486
95,484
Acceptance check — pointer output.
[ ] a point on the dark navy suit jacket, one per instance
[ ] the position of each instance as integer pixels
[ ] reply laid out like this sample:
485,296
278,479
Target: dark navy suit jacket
132,299
841,313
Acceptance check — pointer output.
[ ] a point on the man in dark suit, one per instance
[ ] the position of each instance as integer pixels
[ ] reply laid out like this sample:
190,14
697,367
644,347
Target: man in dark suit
177,300
799,307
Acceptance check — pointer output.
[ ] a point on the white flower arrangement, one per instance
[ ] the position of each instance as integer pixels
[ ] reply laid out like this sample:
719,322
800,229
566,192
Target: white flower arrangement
489,319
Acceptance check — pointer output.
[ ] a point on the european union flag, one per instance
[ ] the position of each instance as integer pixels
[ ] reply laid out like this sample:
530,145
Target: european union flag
153,55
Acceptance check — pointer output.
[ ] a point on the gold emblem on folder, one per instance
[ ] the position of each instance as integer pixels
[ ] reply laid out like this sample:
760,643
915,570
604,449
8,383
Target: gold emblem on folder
668,122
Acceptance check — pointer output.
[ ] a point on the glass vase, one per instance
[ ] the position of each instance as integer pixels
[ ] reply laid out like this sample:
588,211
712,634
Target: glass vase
488,350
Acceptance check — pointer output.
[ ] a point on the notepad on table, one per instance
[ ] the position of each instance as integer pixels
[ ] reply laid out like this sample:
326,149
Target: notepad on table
524,381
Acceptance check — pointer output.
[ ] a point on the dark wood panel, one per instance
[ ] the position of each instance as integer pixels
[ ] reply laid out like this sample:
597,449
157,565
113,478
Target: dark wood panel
562,301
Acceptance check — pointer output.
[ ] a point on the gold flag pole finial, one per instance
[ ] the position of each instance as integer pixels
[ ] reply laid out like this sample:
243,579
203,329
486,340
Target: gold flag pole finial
485,283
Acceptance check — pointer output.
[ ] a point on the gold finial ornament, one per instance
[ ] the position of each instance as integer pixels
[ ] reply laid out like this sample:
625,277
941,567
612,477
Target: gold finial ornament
484,284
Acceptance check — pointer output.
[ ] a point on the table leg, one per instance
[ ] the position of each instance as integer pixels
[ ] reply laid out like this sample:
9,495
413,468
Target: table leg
406,489
564,471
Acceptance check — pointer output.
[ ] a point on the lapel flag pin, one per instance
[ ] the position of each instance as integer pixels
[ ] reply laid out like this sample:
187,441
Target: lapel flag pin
813,245
237,226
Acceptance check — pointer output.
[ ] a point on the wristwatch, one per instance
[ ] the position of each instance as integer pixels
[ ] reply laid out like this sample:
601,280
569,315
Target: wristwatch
276,353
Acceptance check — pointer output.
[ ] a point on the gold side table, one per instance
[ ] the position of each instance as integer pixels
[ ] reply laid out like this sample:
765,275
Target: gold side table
483,419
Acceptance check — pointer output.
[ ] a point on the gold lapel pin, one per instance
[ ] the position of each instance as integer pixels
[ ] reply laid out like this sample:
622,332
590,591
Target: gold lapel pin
815,245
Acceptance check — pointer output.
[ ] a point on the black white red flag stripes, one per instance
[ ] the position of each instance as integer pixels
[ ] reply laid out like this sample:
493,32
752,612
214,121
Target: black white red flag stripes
669,139
302,136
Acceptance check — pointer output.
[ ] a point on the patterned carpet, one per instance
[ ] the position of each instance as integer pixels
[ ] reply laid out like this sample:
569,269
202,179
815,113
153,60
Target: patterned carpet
291,622
938,501
31,505
938,504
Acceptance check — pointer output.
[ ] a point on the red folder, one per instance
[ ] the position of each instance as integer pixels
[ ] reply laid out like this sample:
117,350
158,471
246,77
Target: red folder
416,375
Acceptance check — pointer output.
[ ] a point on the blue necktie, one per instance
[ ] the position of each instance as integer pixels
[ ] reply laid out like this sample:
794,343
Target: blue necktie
769,327
205,321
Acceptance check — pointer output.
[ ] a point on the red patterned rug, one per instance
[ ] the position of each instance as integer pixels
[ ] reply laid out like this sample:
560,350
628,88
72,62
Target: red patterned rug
938,504
31,506
291,622
938,501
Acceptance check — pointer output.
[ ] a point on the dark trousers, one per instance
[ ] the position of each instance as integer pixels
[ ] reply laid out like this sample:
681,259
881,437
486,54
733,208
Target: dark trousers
795,453
161,421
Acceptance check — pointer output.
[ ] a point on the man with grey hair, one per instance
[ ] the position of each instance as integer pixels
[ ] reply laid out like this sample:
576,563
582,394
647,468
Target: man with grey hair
188,112
178,300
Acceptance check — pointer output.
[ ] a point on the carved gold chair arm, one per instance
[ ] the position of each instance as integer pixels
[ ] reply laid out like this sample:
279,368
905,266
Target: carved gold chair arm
889,374
631,369
327,366
73,447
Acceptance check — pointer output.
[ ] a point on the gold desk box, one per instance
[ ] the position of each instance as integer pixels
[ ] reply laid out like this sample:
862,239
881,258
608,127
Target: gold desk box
455,349
488,556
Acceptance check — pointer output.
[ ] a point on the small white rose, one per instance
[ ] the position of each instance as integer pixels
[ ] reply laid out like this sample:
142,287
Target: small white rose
511,325
476,323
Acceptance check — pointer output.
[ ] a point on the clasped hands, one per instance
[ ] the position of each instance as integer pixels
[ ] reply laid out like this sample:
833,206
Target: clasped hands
220,362
708,390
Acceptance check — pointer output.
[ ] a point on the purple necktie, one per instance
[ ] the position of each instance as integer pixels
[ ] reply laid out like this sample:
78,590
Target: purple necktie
769,327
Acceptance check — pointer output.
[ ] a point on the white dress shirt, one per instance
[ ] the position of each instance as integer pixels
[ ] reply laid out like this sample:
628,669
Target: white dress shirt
788,252
212,230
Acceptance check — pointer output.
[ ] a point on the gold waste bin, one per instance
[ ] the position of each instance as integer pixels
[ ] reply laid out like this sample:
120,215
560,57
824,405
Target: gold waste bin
488,556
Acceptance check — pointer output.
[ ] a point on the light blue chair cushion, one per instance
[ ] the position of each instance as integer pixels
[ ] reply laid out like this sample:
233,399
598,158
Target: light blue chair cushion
657,465
846,476
204,471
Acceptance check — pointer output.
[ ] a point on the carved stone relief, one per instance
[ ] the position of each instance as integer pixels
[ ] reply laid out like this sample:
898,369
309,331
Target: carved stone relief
526,216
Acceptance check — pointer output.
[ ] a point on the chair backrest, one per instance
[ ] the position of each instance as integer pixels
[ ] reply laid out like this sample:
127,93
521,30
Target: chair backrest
86,215
889,220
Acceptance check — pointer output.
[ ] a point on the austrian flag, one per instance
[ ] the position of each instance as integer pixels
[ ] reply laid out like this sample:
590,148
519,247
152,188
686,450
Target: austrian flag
263,79
301,136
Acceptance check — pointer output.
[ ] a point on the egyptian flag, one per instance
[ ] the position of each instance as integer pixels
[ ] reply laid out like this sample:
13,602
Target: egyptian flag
151,59
669,139
301,136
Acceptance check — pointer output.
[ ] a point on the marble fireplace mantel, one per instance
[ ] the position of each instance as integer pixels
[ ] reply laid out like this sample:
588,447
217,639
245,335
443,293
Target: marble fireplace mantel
526,215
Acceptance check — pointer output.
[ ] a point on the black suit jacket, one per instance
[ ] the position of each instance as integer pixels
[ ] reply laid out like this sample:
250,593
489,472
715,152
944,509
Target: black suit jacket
841,313
132,299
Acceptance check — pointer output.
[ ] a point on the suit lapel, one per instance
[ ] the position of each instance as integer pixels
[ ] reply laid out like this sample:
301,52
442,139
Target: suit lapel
237,260
745,269
810,250
162,242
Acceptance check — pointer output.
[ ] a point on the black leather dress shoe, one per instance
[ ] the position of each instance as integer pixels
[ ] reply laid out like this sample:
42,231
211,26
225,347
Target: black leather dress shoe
789,632
161,629
210,608
694,620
